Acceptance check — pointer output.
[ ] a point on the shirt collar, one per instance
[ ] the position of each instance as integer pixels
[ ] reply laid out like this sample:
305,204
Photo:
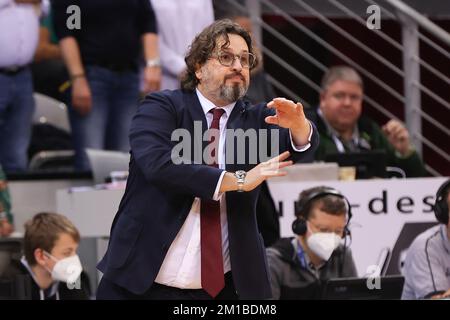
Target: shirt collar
207,105
333,132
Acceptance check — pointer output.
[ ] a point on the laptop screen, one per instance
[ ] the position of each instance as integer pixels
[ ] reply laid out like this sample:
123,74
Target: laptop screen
368,164
382,288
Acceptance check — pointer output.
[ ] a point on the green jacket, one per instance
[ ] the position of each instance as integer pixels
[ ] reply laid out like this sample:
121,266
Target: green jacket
5,199
372,133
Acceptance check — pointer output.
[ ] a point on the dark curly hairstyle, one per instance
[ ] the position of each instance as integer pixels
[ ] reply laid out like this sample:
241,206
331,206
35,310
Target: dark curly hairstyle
204,45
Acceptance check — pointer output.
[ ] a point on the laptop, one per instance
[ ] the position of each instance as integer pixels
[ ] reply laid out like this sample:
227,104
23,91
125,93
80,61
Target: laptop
407,235
381,288
316,171
368,164
104,162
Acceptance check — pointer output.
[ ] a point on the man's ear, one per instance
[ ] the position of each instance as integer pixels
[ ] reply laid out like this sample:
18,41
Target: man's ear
198,72
322,97
39,256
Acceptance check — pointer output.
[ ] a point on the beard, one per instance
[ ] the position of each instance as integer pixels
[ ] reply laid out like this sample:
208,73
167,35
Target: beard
222,91
231,93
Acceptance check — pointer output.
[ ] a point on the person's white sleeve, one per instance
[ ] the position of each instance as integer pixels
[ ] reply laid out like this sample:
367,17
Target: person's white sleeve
424,272
171,61
218,195
306,146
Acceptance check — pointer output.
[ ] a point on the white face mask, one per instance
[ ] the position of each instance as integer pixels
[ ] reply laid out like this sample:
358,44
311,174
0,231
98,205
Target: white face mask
66,270
323,244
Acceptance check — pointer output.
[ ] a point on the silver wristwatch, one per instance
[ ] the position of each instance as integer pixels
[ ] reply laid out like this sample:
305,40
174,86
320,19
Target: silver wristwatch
155,62
240,176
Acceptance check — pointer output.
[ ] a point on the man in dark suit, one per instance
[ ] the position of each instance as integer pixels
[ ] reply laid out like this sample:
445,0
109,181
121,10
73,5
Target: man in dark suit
186,226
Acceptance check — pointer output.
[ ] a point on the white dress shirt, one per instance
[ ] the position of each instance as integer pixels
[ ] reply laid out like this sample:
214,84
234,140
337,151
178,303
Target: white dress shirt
181,267
19,35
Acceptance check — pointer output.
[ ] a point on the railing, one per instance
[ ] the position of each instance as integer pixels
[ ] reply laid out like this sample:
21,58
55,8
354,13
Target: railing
411,23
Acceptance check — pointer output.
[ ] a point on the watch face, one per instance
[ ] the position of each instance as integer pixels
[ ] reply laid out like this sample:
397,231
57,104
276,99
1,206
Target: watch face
240,174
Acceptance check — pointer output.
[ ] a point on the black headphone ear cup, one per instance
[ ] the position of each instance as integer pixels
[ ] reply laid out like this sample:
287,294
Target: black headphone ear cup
437,212
441,211
298,208
299,226
441,207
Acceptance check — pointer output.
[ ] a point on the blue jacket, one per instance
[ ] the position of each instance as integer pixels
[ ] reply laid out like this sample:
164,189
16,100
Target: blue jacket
159,196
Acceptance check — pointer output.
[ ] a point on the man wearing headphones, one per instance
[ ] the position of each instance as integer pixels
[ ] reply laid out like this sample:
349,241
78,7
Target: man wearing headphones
427,264
300,265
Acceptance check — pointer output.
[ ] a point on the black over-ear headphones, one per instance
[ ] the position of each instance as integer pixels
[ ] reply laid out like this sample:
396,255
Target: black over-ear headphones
302,208
441,206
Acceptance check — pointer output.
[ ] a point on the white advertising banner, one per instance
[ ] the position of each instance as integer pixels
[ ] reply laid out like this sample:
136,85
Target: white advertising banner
387,214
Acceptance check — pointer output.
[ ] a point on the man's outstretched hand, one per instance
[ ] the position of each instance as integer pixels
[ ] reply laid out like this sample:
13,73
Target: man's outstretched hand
258,174
290,115
266,170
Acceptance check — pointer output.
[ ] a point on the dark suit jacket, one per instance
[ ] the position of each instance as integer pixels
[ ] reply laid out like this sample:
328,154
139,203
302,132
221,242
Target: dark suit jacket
159,195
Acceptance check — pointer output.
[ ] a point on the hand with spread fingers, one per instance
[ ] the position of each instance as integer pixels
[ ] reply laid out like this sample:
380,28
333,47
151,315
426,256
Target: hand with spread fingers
263,171
266,170
398,136
290,115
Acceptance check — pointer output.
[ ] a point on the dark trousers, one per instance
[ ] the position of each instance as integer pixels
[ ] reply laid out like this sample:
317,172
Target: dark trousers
107,290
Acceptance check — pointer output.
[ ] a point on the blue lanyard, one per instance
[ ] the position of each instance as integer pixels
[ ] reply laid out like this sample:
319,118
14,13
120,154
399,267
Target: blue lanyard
301,255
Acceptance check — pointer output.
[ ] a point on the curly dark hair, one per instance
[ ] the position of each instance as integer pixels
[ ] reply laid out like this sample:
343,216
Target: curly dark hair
204,45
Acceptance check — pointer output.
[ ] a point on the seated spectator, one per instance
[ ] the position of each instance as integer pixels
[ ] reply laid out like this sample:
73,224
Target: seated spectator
6,217
50,258
427,263
299,265
342,128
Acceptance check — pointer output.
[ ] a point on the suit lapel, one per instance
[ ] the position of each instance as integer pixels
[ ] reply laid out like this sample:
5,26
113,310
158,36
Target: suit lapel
236,121
237,116
195,111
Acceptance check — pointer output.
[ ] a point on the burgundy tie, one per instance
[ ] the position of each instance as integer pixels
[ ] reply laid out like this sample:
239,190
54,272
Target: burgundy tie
210,231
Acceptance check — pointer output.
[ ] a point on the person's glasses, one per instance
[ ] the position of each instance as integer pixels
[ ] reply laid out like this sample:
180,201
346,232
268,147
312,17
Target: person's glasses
341,96
316,228
246,59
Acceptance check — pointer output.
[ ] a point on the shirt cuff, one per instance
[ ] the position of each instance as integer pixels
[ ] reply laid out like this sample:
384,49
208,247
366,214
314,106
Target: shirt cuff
218,195
306,146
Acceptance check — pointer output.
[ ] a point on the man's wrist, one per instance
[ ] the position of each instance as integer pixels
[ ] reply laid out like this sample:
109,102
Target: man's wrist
240,180
75,76
302,134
